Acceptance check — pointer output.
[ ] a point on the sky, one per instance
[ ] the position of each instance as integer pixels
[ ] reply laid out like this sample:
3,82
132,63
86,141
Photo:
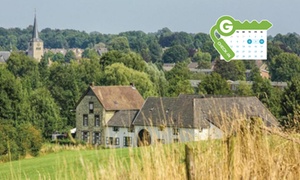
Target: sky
115,16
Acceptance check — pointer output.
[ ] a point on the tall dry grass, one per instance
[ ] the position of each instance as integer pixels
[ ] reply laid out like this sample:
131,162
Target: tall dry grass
247,151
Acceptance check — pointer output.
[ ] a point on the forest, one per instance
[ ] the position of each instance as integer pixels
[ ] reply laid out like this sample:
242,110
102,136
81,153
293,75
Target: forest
37,99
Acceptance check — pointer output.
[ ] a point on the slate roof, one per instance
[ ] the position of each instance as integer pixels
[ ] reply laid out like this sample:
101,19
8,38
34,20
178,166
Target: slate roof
122,118
220,110
4,55
183,112
197,111
156,111
118,97
35,33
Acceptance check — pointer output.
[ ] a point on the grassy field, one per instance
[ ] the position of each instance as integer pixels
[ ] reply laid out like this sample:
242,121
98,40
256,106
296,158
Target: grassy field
245,154
64,164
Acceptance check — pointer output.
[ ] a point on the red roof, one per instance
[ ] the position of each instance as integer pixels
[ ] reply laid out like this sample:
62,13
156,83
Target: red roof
118,97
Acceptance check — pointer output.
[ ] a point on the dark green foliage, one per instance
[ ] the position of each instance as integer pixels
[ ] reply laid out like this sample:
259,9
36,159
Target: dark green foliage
119,74
214,84
200,39
10,95
244,89
233,70
273,49
175,54
119,43
16,142
30,139
208,47
90,54
130,59
155,51
284,66
290,104
44,114
203,59
268,95
66,88
58,57
291,41
70,55
178,79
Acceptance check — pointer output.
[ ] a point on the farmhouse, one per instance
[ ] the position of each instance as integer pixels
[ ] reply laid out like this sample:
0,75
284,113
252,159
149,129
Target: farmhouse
117,116
102,109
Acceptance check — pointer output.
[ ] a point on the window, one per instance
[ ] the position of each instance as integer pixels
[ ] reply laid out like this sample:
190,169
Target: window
85,136
91,107
96,138
127,141
161,127
200,129
176,140
161,141
85,120
175,131
115,128
97,120
112,141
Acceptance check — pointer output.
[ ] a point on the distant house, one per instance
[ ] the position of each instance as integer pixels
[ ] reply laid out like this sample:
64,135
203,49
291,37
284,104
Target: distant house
4,55
101,114
168,66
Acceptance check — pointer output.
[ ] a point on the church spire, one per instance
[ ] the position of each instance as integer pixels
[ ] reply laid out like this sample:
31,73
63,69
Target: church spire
35,33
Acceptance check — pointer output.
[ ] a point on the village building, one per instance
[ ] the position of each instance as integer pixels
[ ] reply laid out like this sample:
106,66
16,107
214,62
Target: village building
101,114
4,55
117,116
36,45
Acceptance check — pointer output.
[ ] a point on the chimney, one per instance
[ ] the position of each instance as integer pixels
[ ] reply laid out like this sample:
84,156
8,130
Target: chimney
132,85
92,84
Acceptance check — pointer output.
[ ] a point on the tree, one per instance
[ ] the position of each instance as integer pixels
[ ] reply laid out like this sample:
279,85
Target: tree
11,95
158,79
200,39
109,58
45,114
208,47
178,79
233,70
290,104
119,74
90,54
284,66
203,59
269,96
214,84
58,57
244,89
130,59
9,149
119,43
30,139
66,88
155,51
273,49
70,55
175,54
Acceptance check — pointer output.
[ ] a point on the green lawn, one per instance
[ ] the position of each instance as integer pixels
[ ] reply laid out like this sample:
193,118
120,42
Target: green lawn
61,165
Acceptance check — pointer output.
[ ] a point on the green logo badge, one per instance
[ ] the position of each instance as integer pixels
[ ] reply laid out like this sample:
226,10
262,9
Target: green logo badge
240,40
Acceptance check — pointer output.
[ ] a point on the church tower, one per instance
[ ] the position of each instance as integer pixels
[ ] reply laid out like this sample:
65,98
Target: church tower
36,45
